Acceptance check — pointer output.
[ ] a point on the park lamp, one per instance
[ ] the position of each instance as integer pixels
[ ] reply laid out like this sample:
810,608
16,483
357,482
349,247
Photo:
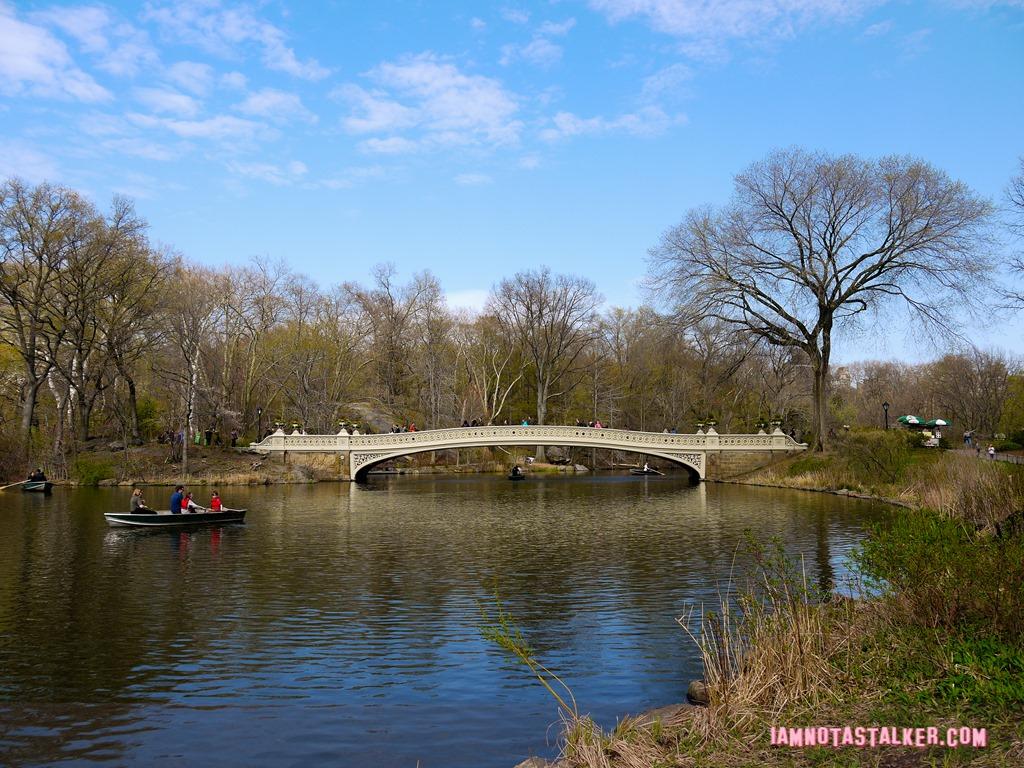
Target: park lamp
885,409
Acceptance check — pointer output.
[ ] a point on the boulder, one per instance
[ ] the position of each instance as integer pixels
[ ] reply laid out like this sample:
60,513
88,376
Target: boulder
534,762
117,445
662,714
697,693
580,468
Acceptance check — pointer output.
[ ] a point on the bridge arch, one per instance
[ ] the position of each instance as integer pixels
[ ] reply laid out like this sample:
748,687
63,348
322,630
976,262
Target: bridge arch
361,462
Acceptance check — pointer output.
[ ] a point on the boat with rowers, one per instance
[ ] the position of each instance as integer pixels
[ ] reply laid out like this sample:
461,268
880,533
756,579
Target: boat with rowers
165,519
37,486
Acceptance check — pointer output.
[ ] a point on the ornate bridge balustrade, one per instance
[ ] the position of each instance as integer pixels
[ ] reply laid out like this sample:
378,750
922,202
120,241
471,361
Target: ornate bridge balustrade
692,451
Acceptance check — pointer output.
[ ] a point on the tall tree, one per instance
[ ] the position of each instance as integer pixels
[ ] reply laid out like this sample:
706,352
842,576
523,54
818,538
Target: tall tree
39,228
811,241
554,318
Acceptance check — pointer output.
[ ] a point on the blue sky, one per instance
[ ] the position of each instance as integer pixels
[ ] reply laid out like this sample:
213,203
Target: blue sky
478,139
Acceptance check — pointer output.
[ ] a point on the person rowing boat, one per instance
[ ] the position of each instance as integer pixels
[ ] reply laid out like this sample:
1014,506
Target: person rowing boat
138,504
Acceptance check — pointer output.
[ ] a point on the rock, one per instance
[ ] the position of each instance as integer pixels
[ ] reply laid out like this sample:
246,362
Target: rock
534,762
697,693
117,445
662,713
580,468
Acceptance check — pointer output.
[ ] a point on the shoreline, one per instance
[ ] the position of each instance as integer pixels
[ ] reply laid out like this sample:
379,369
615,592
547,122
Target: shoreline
881,629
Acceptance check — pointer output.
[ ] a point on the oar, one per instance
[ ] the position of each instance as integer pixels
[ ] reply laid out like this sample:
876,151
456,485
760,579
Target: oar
14,484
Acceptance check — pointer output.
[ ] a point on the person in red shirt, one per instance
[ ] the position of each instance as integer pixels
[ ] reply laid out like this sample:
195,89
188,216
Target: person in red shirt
215,502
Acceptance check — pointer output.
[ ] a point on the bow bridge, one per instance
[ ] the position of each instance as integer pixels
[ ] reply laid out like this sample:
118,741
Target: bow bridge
705,454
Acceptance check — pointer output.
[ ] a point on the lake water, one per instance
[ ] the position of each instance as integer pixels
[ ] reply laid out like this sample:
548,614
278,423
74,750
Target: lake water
340,625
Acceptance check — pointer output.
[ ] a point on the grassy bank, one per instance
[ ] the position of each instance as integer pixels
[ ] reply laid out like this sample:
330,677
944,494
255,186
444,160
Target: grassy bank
931,637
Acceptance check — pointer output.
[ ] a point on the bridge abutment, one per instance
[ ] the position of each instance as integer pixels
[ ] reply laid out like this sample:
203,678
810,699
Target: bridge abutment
726,465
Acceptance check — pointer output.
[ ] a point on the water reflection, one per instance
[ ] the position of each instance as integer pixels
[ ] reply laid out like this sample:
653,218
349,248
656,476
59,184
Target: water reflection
342,620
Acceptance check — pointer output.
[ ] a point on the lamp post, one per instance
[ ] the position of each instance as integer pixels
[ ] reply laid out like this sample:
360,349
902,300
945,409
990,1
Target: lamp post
259,423
885,408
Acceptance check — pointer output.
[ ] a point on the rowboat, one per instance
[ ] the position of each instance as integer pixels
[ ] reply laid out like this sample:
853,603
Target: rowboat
520,476
636,471
164,519
37,486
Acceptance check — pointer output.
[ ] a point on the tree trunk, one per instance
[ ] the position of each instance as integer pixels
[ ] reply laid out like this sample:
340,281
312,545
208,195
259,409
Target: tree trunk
133,409
28,412
542,413
819,365
84,414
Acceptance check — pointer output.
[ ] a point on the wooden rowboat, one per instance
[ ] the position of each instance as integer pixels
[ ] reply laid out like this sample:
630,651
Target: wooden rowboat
635,471
164,519
37,486
520,476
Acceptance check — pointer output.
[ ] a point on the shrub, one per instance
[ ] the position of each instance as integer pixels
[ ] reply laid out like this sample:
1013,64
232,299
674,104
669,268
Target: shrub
1006,445
945,573
150,417
90,471
878,454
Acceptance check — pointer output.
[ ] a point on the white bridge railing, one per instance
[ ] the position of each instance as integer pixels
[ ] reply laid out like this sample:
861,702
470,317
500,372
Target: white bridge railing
614,439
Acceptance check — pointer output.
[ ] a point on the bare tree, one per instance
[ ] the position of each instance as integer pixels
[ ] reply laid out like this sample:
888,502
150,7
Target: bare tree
554,318
811,241
1015,199
493,367
393,312
190,318
39,227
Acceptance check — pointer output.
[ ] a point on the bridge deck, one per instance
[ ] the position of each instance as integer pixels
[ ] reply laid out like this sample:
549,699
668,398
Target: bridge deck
366,450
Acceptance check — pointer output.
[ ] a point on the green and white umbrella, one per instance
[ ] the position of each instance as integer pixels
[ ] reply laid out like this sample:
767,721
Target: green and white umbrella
937,423
908,419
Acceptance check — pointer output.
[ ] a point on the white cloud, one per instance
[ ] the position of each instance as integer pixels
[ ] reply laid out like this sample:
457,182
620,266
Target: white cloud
539,51
646,122
279,175
33,61
432,97
26,162
220,128
394,145
473,179
192,76
279,106
119,47
234,80
86,24
529,162
670,82
377,111
222,30
707,25
556,29
879,29
477,24
147,150
515,15
167,101
915,43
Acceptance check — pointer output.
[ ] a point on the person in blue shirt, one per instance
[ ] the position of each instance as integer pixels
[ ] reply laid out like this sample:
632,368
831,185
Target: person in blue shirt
176,498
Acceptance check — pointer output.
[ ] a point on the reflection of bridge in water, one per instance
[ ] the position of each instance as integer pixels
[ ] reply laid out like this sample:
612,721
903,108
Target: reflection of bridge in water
706,455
